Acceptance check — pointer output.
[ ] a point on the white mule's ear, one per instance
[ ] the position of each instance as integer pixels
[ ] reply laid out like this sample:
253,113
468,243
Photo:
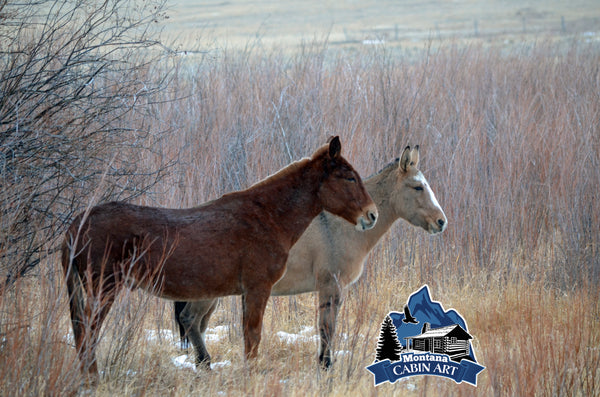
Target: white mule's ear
405,159
414,156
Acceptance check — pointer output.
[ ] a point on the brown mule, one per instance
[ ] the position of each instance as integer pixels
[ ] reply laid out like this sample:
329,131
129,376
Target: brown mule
330,255
235,245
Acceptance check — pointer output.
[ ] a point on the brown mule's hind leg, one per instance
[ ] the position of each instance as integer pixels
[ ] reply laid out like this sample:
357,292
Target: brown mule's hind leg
193,318
96,311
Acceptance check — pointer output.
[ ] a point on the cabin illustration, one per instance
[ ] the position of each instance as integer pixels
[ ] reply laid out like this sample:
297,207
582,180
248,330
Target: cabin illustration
452,340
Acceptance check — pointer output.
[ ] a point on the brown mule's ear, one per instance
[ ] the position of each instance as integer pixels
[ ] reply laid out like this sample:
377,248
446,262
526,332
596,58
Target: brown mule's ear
405,159
335,147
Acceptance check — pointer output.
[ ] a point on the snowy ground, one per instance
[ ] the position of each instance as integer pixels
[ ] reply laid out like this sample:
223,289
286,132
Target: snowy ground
307,334
185,360
216,334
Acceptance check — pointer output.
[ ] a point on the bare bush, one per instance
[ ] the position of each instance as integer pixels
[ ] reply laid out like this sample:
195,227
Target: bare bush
77,85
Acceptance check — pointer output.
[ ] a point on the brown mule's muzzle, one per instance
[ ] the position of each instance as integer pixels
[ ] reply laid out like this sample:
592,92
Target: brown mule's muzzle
368,219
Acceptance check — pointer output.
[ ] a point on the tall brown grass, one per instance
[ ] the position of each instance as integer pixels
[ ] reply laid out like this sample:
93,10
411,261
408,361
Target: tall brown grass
510,143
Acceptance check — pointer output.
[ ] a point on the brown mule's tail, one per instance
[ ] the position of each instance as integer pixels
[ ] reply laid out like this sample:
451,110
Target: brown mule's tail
76,294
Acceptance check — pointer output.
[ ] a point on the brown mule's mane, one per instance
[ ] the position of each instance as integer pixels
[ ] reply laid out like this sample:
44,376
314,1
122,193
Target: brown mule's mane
268,181
290,169
281,174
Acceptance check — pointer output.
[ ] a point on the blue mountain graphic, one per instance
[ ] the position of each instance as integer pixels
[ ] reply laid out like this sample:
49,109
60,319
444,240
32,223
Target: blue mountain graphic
426,310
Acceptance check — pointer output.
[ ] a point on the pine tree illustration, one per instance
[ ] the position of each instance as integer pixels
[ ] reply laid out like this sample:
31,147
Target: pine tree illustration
388,346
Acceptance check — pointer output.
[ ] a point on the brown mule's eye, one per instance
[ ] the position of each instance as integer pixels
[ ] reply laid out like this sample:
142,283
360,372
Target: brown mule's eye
353,180
418,188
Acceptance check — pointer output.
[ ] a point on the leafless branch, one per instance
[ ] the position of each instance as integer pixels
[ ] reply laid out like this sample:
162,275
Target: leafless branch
77,81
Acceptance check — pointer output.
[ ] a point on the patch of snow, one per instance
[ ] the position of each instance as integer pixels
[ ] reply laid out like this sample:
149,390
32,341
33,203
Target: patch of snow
216,334
181,362
341,353
212,338
68,338
307,329
219,329
307,334
184,361
220,364
345,336
373,42
153,335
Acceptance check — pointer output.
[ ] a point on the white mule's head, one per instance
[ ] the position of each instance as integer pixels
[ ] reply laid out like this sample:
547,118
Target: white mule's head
414,199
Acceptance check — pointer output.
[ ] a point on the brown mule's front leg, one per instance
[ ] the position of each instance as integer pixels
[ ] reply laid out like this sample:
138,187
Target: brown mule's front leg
254,303
329,304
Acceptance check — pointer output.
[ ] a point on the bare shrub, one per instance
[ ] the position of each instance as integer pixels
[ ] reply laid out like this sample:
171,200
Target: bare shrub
77,82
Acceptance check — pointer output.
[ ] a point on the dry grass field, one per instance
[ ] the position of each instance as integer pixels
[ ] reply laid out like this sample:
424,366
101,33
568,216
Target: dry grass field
406,24
507,118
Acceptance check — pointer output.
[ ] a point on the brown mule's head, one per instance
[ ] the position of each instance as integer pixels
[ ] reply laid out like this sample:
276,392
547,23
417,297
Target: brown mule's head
342,191
413,198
